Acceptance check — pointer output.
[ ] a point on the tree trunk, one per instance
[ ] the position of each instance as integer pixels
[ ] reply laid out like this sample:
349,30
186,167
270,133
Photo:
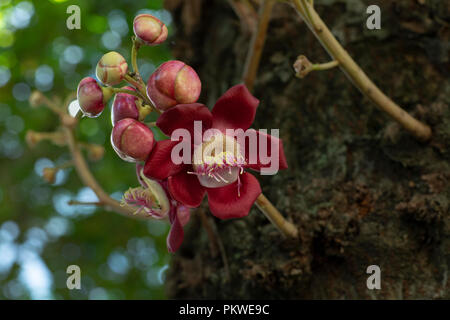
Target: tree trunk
359,188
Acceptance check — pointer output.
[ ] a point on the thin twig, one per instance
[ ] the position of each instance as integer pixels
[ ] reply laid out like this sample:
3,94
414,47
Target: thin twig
215,241
52,105
286,228
420,130
213,246
81,203
325,65
141,91
247,15
223,254
257,44
88,179
303,66
131,92
69,98
134,51
65,165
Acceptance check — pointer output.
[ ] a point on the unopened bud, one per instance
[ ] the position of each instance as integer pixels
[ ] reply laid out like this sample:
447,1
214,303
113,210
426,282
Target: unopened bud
49,174
32,138
111,68
302,66
124,106
95,152
132,140
92,98
149,29
36,99
174,82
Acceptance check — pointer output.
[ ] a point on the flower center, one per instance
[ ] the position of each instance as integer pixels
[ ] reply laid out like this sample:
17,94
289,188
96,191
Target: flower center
150,198
218,161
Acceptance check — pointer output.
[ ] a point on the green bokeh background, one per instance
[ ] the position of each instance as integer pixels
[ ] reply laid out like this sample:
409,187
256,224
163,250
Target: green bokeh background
40,235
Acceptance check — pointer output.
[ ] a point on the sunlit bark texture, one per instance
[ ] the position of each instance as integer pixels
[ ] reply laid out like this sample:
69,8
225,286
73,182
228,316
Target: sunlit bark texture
360,189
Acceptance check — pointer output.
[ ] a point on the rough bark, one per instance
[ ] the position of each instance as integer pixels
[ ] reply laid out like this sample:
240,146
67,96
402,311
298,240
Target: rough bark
360,189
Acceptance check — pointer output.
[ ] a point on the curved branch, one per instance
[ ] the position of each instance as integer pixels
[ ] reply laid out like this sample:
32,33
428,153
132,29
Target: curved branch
257,44
88,179
357,76
288,229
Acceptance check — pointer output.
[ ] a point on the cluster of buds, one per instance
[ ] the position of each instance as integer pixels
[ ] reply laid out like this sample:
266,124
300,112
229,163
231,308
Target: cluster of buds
173,83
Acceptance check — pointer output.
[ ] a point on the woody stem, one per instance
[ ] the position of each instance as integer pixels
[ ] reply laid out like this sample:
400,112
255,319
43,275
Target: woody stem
325,66
286,228
257,44
356,75
131,92
134,51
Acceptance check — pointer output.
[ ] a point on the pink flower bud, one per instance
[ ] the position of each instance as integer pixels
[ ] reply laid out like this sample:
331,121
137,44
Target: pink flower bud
149,29
132,140
174,82
92,98
111,68
124,106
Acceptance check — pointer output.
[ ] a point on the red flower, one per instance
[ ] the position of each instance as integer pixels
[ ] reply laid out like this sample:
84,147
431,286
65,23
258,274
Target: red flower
153,198
231,191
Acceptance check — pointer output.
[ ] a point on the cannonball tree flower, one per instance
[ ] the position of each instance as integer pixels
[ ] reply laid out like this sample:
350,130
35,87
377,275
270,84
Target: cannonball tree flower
149,29
230,189
153,198
174,82
111,68
132,140
92,97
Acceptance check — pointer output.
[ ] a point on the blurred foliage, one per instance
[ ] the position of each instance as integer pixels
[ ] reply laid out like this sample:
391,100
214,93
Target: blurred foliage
40,234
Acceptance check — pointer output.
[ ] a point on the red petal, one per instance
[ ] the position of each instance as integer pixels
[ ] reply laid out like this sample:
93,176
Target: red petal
183,214
159,164
183,116
186,189
176,233
235,109
280,157
225,203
